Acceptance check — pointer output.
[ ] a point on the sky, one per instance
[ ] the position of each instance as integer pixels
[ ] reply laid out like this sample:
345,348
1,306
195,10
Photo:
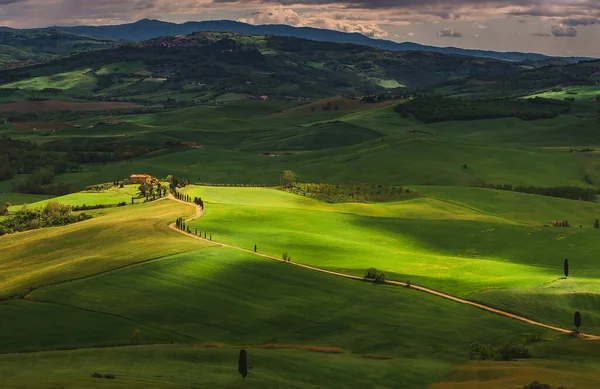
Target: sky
554,27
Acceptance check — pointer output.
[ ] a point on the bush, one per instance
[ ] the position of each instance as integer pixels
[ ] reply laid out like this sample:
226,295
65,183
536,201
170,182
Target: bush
539,385
286,257
380,278
109,376
481,352
371,273
485,352
96,375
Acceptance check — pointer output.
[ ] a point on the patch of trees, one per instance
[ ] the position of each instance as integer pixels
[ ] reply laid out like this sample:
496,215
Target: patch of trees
53,214
356,193
42,182
565,192
85,207
375,275
486,352
152,191
25,157
433,109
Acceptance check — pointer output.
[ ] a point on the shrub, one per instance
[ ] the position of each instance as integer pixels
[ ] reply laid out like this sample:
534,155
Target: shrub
483,352
539,385
109,376
96,375
371,273
286,257
512,352
380,278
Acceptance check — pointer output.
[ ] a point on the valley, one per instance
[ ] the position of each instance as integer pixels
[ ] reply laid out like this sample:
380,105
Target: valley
351,217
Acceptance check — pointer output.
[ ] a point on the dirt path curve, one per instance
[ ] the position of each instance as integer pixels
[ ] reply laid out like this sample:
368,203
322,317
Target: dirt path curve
199,212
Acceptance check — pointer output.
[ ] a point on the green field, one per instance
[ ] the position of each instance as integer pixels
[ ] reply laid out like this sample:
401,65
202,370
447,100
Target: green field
172,285
77,81
491,254
184,288
123,293
579,92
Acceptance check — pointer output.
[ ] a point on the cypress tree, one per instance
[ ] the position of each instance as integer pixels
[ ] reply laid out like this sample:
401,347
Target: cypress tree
597,224
566,268
243,365
577,320
196,232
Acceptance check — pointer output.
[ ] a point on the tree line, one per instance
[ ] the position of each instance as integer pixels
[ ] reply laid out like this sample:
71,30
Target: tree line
565,192
432,109
53,214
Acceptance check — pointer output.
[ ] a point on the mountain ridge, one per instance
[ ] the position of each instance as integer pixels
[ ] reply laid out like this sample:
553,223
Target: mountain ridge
146,29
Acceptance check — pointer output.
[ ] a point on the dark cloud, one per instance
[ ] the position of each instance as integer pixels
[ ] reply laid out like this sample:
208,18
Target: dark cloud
585,21
449,33
561,30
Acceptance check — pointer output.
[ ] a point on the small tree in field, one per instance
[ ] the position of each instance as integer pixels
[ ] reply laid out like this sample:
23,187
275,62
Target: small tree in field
136,336
597,224
577,320
288,179
566,268
371,273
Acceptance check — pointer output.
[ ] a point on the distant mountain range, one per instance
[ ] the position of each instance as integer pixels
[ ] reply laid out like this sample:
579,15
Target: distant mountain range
147,29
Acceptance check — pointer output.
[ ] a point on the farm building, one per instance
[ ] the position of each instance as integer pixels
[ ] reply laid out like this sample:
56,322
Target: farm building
141,179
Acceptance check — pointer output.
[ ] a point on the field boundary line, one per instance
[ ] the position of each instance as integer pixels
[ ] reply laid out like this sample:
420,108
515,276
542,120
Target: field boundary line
200,213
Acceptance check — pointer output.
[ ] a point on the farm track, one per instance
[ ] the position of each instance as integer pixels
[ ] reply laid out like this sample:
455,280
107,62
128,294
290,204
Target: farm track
199,213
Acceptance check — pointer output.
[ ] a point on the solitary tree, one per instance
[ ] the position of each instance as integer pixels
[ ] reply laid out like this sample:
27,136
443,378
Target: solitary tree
243,365
288,179
254,248
597,224
566,267
577,320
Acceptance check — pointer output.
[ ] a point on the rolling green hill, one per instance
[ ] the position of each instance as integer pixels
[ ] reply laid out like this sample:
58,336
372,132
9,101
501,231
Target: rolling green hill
206,65
33,46
134,274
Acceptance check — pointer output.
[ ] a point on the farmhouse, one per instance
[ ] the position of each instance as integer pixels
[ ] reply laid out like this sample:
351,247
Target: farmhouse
141,179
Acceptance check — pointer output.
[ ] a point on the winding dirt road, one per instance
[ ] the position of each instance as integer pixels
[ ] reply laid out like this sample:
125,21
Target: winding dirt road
199,212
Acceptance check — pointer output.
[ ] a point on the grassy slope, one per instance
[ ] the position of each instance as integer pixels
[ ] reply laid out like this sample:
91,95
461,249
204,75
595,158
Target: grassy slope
480,252
175,298
111,196
176,366
90,247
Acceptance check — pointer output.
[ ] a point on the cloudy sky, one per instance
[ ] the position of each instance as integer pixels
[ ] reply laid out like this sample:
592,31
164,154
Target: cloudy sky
556,27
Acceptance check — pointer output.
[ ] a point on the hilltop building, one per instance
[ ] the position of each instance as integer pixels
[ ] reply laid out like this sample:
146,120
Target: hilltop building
141,179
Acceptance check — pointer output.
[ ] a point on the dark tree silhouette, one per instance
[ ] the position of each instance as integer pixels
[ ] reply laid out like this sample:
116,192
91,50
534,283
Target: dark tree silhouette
254,248
566,267
597,224
577,320
243,365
